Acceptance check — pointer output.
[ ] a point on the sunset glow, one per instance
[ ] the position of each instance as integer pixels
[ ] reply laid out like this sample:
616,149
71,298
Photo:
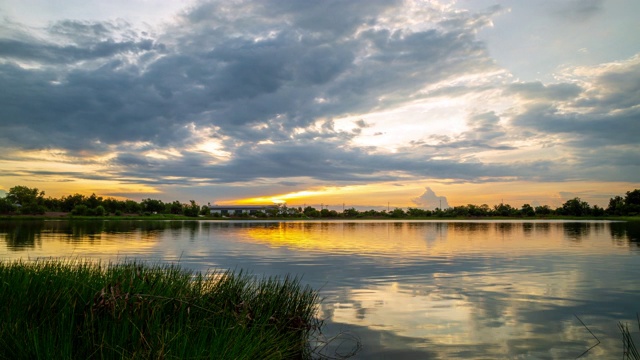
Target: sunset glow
324,103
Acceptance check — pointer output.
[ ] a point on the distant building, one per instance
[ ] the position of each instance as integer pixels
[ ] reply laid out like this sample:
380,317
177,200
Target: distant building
240,209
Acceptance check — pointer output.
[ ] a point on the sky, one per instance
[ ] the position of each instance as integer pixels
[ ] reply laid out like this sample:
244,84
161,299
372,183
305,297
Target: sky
366,104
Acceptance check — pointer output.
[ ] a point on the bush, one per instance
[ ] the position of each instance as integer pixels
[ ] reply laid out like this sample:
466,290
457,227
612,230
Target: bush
79,210
100,211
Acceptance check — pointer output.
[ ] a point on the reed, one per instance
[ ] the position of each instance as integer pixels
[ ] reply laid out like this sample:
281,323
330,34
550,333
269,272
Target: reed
80,310
629,350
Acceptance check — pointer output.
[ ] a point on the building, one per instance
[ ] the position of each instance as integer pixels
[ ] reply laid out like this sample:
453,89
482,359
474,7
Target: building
231,210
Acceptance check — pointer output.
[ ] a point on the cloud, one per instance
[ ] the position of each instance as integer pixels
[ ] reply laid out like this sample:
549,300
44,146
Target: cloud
430,201
266,83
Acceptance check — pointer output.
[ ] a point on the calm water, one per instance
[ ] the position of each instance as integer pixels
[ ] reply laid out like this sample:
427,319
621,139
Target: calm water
414,290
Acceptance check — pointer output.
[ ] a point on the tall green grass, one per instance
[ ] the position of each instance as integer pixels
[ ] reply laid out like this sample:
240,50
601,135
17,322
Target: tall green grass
80,310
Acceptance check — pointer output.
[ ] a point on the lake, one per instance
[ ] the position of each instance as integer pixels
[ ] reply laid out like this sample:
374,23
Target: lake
401,289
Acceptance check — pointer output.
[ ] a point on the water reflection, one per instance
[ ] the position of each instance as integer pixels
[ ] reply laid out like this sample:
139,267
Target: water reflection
628,233
407,289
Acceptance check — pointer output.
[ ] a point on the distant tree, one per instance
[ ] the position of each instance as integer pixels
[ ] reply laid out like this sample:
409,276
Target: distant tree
28,200
52,204
597,211
68,203
23,195
478,211
80,210
112,205
350,213
132,207
204,210
504,210
460,211
415,212
397,213
100,210
93,201
575,207
326,213
311,212
616,206
527,210
632,201
191,210
543,210
175,207
152,206
6,206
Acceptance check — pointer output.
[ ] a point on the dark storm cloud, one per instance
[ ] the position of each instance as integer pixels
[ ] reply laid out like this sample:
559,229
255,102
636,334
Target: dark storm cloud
280,64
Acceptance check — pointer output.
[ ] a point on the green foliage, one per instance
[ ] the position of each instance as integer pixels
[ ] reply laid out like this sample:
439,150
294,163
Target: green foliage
504,210
152,206
175,207
397,213
78,310
7,206
25,200
79,210
543,210
191,210
29,201
205,211
527,210
574,207
23,195
100,211
351,213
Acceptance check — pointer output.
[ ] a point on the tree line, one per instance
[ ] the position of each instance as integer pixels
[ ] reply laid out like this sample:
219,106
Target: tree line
31,201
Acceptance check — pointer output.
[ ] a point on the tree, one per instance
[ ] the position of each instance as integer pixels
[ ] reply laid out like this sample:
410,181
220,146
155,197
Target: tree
543,210
191,210
6,206
93,201
616,206
311,212
397,213
152,206
175,207
527,210
504,210
22,195
132,207
632,201
29,200
205,211
68,203
416,212
575,207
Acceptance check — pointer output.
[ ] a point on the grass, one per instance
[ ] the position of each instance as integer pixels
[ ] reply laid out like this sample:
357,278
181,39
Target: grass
79,310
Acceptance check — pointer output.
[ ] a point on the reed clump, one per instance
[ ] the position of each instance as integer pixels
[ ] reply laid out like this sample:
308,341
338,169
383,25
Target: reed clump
80,310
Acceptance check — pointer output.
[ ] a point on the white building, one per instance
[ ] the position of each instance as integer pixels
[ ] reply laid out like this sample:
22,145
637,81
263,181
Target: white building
240,209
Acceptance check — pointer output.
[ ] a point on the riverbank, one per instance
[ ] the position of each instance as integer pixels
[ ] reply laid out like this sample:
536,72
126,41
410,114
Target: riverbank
128,217
68,309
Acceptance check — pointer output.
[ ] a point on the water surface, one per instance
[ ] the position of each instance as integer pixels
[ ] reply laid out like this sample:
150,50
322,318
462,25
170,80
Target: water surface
408,289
